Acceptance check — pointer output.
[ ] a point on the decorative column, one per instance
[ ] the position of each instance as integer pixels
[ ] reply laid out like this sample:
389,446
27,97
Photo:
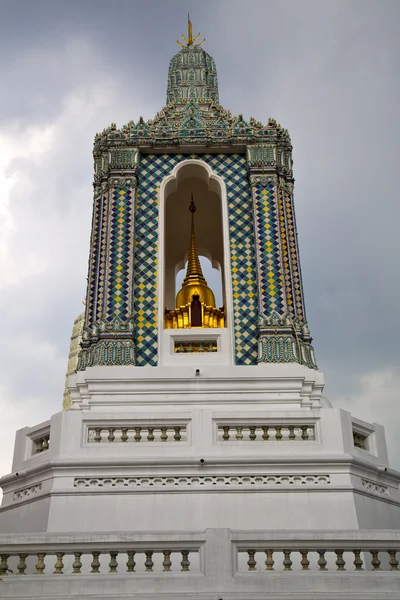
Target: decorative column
108,331
283,335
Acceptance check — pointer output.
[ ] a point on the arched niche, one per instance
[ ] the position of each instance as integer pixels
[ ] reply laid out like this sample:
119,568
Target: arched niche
195,177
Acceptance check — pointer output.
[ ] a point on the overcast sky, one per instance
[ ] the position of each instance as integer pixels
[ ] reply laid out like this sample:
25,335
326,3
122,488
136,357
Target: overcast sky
327,71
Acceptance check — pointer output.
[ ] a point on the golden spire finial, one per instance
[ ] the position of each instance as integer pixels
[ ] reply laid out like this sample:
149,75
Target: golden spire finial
189,39
193,271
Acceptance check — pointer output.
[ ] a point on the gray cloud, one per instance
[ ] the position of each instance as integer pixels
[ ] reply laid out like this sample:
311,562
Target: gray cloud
328,71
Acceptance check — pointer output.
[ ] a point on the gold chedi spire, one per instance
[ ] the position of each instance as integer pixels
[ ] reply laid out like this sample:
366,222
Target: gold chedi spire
193,271
195,302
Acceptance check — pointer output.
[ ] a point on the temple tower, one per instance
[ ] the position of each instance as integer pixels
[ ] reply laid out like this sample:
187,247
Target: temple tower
194,426
241,174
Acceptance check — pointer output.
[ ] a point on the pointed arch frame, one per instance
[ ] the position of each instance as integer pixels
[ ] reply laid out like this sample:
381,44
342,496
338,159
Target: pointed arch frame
215,184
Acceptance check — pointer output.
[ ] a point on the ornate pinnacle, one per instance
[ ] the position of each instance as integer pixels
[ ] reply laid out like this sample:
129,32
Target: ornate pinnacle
189,39
194,270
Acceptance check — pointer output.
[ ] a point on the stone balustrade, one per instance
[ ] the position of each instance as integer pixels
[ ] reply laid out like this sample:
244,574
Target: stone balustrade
322,560
136,433
356,552
41,443
177,564
95,562
266,433
360,440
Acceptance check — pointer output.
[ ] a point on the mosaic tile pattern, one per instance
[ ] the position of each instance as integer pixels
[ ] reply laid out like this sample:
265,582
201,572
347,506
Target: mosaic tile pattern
153,168
285,252
294,257
94,260
119,254
270,275
103,226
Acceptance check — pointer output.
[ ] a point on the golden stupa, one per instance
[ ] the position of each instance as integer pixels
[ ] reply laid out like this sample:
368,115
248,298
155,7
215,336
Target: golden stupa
195,301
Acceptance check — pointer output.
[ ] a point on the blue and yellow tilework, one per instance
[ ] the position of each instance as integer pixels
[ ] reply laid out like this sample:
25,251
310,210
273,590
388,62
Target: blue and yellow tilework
118,304
94,260
233,168
268,241
294,257
285,251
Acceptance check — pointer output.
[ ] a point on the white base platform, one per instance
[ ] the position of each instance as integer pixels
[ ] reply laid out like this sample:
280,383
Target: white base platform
296,467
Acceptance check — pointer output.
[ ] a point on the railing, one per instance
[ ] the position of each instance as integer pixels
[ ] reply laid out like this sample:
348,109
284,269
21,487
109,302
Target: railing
265,433
41,443
134,433
95,562
321,560
360,440
355,551
245,563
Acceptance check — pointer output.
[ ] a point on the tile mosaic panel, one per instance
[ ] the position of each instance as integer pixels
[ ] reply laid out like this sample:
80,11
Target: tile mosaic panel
103,226
118,302
94,260
233,168
285,251
267,230
294,257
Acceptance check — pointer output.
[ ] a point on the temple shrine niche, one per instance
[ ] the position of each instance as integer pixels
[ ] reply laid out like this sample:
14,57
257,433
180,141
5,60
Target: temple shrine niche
195,302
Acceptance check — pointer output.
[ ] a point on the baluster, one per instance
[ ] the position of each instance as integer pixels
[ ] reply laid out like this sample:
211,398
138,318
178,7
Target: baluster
40,566
130,564
239,433
304,432
393,562
45,443
39,445
305,563
185,563
292,435
340,563
21,566
76,565
265,435
111,436
278,433
137,437
95,564
124,434
177,436
4,564
113,562
287,563
97,437
375,562
167,561
322,560
148,562
226,435
164,434
269,561
150,434
252,561
58,567
357,562
252,434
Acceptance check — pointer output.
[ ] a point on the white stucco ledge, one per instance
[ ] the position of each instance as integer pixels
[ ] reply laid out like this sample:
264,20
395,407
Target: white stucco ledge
288,384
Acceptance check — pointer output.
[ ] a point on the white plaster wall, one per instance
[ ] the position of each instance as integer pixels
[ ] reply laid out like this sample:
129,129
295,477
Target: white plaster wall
336,486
